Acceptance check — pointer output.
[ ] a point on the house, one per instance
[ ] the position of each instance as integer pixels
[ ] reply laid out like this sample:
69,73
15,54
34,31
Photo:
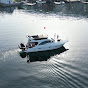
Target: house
6,1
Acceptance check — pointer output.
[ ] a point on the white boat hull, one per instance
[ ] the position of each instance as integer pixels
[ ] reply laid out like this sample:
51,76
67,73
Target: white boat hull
46,47
41,2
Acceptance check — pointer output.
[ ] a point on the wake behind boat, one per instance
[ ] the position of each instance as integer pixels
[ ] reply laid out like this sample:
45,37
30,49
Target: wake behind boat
39,43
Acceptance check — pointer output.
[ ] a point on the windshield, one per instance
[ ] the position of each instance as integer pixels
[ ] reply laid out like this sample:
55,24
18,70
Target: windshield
31,44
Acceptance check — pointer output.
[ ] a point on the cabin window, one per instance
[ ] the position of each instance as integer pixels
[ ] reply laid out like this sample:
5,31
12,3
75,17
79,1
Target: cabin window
31,44
36,43
45,42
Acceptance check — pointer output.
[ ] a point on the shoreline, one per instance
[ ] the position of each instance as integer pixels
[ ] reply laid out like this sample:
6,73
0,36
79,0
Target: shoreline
10,5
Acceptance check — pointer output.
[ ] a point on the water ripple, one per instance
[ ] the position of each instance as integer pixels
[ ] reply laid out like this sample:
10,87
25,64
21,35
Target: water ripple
68,73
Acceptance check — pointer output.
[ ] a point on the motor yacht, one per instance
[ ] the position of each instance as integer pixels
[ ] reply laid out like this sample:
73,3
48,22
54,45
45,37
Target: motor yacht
39,43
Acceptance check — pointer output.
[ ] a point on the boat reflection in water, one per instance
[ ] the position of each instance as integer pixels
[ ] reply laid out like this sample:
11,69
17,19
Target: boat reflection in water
42,56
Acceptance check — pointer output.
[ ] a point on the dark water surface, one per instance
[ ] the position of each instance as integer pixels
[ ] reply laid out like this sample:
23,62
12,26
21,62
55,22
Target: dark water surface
60,69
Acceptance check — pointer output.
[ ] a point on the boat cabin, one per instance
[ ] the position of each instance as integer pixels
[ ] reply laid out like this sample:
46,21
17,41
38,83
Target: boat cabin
38,40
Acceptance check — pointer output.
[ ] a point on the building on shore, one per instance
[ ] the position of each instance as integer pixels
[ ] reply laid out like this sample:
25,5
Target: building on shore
9,3
6,1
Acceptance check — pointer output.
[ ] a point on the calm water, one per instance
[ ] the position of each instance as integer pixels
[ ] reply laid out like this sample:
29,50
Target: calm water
61,68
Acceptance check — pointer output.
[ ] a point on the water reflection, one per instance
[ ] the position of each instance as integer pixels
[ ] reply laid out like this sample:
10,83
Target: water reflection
73,9
9,10
45,7
42,56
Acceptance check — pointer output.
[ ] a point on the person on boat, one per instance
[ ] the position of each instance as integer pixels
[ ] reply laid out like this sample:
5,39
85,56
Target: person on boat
28,45
22,45
33,44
